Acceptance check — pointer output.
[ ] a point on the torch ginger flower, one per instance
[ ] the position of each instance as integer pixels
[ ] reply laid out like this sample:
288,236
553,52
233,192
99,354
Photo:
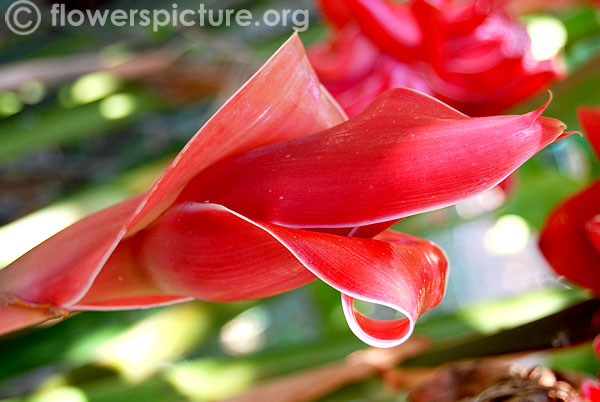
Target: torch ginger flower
471,55
277,189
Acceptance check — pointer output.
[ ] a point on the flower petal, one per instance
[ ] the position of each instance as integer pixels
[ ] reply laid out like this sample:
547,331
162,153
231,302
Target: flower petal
387,73
197,250
209,252
61,270
590,390
406,153
589,117
344,60
566,243
390,25
335,11
256,115
123,284
478,96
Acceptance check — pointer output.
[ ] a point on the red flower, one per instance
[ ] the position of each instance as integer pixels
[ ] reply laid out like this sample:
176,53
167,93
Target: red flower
275,190
590,390
570,238
471,55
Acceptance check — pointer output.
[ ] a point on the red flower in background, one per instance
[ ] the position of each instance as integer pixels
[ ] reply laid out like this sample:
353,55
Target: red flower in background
570,237
278,189
590,390
472,55
570,240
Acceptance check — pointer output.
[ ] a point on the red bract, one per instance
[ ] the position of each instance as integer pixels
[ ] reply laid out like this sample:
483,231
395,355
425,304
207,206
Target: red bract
472,55
277,189
590,390
570,240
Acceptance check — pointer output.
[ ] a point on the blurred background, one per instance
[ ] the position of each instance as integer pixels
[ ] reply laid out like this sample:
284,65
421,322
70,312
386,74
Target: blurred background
90,116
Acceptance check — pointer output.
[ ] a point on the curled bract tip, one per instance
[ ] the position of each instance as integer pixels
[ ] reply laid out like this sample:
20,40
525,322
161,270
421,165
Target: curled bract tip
539,111
378,333
569,133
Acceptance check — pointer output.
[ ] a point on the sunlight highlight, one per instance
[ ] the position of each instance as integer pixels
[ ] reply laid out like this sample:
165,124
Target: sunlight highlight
9,104
245,333
32,92
92,87
60,394
509,235
142,350
117,106
211,380
20,236
548,36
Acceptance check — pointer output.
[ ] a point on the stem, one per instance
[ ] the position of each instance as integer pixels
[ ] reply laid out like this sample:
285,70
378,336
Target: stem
577,324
